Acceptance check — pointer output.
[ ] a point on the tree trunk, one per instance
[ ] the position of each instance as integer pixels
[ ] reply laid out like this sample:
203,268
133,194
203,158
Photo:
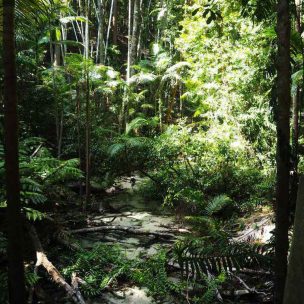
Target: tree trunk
15,232
114,22
100,46
283,148
294,292
88,144
88,115
86,35
79,143
129,40
124,117
109,28
295,125
295,149
135,33
298,4
56,62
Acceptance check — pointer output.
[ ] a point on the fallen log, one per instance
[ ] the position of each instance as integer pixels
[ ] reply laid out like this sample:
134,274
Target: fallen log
126,229
42,260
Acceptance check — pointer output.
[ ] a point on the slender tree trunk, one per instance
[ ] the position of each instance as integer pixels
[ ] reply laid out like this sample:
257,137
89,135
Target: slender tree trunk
88,116
114,22
135,33
86,35
125,104
15,232
283,148
295,125
59,108
295,147
88,144
109,28
100,46
78,111
160,113
141,29
129,40
160,27
298,4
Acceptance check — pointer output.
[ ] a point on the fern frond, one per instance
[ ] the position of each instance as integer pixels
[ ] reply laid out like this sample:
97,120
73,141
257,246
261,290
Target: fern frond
31,278
136,124
217,204
116,149
33,197
32,214
196,258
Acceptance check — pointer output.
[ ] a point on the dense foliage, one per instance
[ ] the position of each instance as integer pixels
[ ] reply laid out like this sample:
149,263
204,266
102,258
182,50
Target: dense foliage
180,92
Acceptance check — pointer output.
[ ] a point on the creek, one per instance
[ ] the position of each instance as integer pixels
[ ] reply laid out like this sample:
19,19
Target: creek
138,214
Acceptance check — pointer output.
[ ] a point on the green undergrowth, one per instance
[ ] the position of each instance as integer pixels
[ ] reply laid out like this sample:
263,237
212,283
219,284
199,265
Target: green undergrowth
106,266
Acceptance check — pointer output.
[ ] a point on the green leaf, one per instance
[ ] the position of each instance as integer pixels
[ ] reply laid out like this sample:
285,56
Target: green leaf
66,20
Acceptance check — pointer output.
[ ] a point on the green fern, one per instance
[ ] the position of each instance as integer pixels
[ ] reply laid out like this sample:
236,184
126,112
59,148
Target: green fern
38,171
217,204
136,124
98,267
198,257
125,144
31,278
33,214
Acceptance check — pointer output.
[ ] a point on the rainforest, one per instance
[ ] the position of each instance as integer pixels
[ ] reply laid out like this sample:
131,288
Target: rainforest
151,151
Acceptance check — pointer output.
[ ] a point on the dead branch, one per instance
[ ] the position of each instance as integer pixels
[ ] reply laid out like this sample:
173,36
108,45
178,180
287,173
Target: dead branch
42,260
37,150
127,229
243,283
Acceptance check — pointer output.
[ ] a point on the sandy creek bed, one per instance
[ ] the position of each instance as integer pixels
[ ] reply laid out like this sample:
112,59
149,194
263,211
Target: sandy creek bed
138,214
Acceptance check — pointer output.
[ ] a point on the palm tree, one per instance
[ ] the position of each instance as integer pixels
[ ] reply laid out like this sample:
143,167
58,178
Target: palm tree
15,233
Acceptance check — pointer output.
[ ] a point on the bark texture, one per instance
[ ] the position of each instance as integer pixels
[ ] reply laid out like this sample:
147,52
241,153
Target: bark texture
283,148
15,233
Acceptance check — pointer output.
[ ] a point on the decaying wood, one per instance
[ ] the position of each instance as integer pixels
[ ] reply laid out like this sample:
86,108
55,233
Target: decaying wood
236,293
42,260
255,272
244,284
129,230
